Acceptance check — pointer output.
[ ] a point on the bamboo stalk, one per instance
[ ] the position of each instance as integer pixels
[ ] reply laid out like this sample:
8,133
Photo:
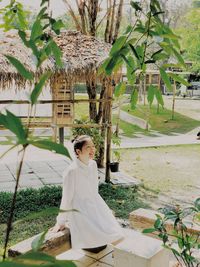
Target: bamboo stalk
9,101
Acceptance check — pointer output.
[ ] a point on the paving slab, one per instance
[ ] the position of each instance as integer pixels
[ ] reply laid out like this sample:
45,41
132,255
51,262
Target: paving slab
52,181
7,186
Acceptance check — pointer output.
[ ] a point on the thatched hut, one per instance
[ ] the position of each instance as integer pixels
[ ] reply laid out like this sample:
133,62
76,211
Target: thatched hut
82,56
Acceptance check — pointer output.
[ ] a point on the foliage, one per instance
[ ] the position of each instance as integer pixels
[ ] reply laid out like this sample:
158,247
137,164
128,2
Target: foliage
95,133
148,41
43,46
29,200
121,199
179,241
116,140
190,30
14,16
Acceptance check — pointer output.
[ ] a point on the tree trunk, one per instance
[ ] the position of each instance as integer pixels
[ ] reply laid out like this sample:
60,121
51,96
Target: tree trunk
93,10
106,34
112,23
91,90
118,20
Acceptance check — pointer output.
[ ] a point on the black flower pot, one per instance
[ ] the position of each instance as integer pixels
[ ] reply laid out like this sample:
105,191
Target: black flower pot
114,166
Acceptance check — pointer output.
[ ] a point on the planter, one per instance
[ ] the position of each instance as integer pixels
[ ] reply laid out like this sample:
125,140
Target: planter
114,166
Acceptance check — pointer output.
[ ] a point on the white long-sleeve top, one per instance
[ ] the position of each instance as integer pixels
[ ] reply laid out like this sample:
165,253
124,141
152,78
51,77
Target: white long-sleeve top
94,224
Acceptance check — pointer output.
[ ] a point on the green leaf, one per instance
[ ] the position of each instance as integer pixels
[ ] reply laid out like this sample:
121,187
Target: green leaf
150,94
179,57
158,223
136,6
14,124
179,79
165,79
128,29
120,89
149,230
134,98
197,204
111,64
118,45
22,35
43,2
52,146
159,97
20,67
58,25
135,53
38,241
57,54
38,87
36,30
41,13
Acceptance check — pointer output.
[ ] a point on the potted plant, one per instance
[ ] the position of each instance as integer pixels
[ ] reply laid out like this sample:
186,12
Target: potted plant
114,165
180,240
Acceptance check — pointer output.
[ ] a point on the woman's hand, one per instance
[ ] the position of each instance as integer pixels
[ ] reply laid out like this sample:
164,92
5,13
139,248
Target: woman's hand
57,228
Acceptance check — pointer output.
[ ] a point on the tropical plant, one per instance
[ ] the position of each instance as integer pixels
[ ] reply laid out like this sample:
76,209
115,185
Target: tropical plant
179,240
148,41
43,46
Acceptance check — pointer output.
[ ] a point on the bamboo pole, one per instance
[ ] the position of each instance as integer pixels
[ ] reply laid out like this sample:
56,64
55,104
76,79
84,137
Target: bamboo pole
109,131
173,100
9,101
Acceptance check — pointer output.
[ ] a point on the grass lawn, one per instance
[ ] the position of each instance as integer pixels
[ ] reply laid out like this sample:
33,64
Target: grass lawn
128,129
162,122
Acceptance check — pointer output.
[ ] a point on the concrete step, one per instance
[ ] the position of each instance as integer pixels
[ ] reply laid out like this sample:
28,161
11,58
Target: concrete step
141,219
53,243
141,251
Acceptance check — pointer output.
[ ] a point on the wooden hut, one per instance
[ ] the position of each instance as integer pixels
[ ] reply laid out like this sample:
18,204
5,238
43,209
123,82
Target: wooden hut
82,56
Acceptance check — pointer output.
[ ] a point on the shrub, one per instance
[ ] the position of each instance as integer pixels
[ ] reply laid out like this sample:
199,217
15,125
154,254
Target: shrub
29,200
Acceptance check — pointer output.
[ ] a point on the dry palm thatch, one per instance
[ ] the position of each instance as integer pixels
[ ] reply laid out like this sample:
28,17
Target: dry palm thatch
82,55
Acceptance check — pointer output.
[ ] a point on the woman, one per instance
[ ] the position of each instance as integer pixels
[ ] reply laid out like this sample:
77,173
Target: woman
93,225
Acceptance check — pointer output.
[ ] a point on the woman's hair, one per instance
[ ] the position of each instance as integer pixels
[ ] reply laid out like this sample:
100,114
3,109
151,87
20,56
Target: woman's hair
80,141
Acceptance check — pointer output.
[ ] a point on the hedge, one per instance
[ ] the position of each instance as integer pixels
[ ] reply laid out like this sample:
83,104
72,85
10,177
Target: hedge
121,200
29,200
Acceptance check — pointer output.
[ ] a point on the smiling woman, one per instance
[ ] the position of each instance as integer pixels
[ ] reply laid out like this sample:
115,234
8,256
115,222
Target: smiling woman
91,222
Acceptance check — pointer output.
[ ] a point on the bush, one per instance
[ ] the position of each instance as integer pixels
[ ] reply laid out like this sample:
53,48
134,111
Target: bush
29,200
121,200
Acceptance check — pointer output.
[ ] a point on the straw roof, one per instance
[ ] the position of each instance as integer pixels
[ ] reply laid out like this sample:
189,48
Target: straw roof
82,55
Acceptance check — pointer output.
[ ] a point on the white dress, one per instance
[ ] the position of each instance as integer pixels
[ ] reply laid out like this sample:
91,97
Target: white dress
94,224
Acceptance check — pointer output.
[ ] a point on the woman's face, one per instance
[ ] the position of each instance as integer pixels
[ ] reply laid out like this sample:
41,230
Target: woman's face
87,152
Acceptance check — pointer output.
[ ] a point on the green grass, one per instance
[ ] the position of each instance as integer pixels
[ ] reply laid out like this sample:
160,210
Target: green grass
129,129
26,228
162,122
121,200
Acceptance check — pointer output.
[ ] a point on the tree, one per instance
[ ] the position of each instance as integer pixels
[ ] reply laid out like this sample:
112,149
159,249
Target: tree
190,30
43,46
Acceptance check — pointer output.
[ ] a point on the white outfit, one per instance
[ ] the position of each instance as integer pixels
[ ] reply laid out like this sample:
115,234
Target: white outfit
94,224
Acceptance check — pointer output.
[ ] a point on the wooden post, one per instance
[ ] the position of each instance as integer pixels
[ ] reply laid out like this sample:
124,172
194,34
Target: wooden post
109,94
61,135
173,101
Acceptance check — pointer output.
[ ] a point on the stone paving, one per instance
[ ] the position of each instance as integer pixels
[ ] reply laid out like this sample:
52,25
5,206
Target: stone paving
34,174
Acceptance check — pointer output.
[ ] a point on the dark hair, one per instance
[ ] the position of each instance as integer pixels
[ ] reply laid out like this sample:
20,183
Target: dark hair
79,141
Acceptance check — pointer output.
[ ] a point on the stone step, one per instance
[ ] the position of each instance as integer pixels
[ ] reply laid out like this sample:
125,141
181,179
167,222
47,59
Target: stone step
141,219
84,258
53,243
140,250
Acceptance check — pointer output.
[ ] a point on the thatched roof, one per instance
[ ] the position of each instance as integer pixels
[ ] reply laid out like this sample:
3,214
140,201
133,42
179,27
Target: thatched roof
82,55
